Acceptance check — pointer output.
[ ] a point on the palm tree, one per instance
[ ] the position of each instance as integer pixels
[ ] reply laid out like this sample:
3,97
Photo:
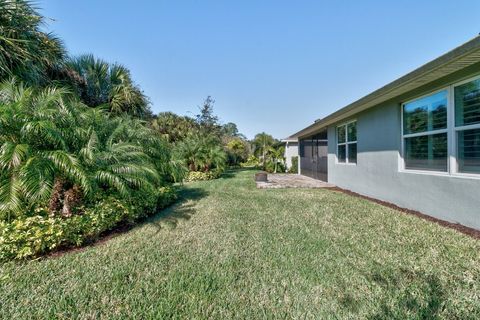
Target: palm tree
174,127
114,158
200,153
25,51
261,143
215,157
55,150
276,155
34,146
100,83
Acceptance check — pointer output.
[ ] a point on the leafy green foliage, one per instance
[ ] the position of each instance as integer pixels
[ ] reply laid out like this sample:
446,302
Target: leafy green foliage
276,161
201,153
100,83
75,160
173,127
25,51
202,176
261,144
252,162
294,167
237,150
30,236
207,120
54,148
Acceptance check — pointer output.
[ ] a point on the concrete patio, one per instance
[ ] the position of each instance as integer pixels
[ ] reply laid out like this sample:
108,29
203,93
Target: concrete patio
283,180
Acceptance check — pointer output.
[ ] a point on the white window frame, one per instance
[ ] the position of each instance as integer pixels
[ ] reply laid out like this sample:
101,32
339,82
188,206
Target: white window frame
426,133
451,130
456,130
346,143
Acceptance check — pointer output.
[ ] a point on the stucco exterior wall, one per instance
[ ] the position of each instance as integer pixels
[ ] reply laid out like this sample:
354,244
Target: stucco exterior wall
377,173
291,150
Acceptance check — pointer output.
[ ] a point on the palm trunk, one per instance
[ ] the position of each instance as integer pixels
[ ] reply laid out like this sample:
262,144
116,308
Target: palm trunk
70,199
54,203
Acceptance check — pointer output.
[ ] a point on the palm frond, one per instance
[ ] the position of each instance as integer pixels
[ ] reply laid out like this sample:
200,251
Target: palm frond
111,180
69,166
12,155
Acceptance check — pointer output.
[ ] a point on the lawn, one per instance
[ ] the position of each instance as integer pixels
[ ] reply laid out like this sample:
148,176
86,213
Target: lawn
228,250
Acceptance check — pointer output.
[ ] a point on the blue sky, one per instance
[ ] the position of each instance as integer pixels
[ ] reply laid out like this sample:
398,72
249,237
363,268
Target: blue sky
271,66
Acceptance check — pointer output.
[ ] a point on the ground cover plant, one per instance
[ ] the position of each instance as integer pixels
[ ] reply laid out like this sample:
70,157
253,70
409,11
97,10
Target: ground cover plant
229,250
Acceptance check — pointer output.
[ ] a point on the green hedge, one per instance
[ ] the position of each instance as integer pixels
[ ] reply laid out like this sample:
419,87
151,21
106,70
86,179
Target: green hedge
32,236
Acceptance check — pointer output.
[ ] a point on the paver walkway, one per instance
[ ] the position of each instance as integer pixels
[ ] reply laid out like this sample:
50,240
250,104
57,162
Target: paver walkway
283,180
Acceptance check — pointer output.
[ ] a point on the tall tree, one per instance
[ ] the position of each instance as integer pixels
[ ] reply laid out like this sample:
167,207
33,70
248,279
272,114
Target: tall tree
206,119
100,83
25,51
174,127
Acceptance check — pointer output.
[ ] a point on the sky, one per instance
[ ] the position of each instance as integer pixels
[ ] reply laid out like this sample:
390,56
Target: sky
272,66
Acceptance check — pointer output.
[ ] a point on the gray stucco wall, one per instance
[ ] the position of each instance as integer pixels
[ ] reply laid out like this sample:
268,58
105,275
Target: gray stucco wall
291,150
377,173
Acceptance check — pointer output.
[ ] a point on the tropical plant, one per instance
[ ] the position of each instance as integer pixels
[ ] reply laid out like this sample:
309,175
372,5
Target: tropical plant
25,51
100,83
35,136
201,153
54,149
174,127
237,150
261,144
294,166
275,156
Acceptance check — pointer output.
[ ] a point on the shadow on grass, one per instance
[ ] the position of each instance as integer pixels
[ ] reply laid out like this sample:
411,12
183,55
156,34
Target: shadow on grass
408,294
181,210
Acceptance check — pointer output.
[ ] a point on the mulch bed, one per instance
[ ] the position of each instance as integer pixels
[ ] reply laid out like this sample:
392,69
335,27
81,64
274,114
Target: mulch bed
461,228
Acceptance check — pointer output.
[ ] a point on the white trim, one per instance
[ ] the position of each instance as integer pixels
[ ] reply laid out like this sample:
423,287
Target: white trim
425,133
430,93
466,80
442,174
468,127
346,143
451,139
451,130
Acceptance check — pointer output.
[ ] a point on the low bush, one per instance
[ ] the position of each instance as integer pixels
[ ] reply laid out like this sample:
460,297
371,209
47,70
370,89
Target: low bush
294,166
252,162
270,167
202,176
27,237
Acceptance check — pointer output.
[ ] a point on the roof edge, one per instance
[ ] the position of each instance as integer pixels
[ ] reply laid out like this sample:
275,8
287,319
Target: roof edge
445,59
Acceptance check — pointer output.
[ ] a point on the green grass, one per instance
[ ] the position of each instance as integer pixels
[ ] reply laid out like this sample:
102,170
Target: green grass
228,250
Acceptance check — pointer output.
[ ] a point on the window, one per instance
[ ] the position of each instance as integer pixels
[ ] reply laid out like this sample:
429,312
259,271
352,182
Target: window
467,126
347,143
425,133
441,133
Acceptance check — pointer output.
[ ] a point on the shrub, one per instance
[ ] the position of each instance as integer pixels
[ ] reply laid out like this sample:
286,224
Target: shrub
202,176
166,196
294,166
270,167
252,162
27,237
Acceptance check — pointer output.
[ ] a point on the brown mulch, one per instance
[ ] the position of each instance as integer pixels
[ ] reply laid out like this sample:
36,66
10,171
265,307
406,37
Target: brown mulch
461,228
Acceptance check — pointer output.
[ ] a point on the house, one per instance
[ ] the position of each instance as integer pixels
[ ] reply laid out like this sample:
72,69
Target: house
414,142
291,151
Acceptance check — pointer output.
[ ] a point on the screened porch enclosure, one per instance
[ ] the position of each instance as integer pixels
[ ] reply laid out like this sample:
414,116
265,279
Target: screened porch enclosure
314,156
